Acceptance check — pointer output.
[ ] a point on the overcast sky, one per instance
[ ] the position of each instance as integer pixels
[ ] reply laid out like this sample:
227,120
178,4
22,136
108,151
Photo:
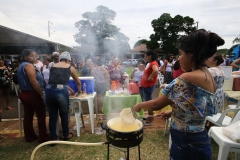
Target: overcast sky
133,16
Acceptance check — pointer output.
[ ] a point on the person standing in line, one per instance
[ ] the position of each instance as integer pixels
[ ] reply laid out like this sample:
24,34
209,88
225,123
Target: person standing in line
38,64
57,97
167,69
216,71
236,64
161,63
227,60
136,76
45,70
191,96
224,60
30,81
55,58
5,84
115,71
177,69
101,77
149,79
87,68
81,66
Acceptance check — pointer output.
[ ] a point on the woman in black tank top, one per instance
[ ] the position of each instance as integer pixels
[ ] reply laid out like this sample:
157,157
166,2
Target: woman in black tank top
57,97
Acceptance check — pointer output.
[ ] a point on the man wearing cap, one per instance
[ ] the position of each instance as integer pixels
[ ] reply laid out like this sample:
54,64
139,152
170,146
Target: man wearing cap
56,94
55,58
38,64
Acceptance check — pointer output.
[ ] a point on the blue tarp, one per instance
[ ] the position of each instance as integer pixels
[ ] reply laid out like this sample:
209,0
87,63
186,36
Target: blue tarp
236,52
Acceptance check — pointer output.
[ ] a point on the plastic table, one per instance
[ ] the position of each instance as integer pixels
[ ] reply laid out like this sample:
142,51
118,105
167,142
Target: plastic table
115,103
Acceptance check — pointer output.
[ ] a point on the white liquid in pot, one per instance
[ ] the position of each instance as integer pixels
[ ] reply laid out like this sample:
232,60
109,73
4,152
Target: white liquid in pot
125,123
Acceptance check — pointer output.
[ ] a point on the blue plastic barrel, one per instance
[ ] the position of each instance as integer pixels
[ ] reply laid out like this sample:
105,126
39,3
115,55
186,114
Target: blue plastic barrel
89,81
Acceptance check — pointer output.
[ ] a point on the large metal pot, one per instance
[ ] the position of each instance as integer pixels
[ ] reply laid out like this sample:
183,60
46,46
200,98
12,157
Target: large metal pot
124,139
112,123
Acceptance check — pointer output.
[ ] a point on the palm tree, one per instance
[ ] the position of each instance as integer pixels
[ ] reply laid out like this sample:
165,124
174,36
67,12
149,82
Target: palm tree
236,40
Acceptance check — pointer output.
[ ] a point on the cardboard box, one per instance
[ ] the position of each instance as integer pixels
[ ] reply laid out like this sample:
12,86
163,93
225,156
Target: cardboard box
228,85
227,71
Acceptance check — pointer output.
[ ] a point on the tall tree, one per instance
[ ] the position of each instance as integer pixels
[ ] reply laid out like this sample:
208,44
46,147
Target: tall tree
237,40
169,30
98,35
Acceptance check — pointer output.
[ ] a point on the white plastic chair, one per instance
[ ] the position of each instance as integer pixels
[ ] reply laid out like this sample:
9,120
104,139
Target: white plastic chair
226,145
77,111
221,119
231,106
16,88
166,126
167,131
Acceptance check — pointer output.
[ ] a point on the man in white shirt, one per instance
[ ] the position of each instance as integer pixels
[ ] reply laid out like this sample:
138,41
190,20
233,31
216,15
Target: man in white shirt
55,58
38,64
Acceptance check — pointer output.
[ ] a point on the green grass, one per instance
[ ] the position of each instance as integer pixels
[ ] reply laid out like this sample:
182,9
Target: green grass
129,70
153,147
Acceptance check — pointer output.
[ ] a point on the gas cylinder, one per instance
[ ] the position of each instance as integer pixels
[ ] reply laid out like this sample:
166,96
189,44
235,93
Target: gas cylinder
113,86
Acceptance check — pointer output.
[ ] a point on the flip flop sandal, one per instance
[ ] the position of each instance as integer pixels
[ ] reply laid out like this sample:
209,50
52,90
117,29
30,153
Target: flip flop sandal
145,122
103,125
67,138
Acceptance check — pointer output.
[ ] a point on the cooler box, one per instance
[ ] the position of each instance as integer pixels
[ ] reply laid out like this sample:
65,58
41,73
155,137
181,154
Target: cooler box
236,82
133,88
89,81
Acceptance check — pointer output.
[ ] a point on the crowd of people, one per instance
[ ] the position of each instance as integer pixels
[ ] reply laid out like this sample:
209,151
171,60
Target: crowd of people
194,90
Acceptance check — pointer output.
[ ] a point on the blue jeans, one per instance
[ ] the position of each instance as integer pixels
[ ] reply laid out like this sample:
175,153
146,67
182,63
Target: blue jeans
147,93
190,146
57,100
141,93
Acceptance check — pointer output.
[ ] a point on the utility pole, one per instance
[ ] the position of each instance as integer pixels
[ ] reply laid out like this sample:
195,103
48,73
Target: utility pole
197,24
49,28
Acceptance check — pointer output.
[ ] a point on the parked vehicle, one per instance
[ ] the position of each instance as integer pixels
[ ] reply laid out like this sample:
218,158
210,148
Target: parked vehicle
130,62
108,63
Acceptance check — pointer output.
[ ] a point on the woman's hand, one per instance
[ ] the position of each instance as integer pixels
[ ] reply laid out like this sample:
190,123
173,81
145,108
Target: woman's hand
42,95
163,85
150,78
137,107
72,92
165,114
